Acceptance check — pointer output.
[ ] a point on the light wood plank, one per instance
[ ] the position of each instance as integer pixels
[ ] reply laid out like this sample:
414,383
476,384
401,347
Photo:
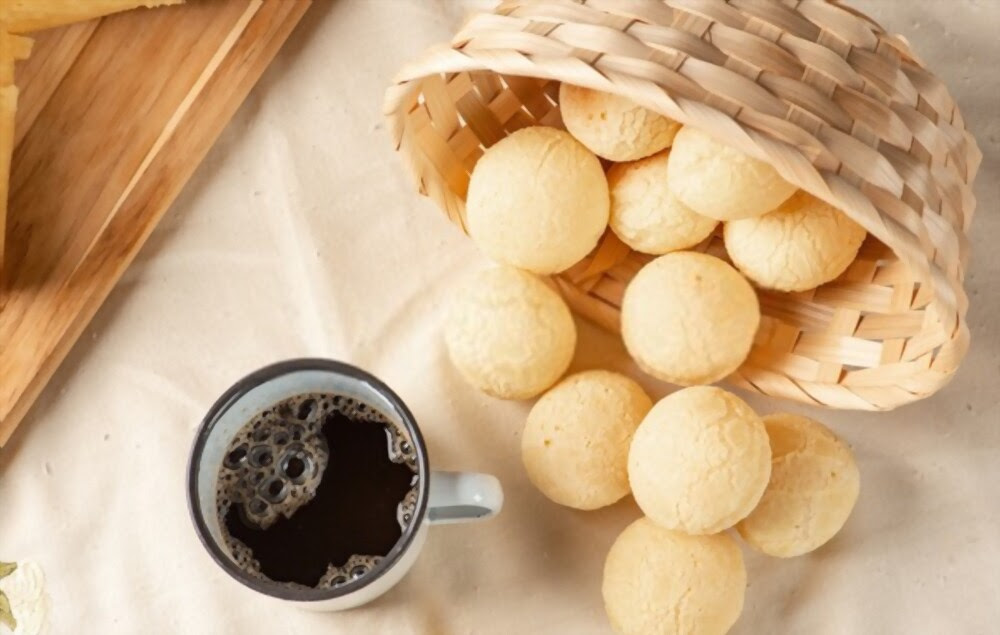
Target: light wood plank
38,76
153,123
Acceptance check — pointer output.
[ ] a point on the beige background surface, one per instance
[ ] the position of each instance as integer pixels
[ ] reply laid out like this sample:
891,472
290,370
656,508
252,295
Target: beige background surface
300,235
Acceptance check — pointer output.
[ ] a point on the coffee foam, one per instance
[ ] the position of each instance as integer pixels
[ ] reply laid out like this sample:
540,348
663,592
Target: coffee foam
274,464
355,567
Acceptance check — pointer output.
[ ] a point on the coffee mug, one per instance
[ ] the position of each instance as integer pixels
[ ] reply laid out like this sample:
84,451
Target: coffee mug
442,497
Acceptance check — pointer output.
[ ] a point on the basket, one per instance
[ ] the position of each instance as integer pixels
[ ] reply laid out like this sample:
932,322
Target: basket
838,106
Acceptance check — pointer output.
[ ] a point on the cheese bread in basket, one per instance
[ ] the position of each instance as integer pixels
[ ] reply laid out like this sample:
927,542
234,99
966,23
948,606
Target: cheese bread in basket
840,108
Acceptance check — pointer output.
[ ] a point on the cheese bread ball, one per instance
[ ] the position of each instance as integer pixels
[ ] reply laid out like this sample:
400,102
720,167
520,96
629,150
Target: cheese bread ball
662,582
699,461
721,182
613,126
689,318
575,443
814,485
508,334
645,215
537,200
801,245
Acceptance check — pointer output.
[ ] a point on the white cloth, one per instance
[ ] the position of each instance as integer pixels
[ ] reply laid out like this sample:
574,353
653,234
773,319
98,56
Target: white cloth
301,235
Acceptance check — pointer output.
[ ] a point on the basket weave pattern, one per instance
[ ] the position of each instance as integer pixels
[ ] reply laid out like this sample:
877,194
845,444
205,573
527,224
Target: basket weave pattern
838,106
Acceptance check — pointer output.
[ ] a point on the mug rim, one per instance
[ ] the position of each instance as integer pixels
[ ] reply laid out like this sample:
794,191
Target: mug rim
241,388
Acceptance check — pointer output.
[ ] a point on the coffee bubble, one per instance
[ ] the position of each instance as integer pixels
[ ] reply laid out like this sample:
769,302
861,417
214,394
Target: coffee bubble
356,567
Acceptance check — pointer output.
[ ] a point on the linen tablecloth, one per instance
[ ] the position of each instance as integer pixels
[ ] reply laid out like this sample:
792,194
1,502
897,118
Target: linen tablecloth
300,235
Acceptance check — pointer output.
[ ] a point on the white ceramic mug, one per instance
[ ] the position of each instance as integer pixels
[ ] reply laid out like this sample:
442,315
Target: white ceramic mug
443,497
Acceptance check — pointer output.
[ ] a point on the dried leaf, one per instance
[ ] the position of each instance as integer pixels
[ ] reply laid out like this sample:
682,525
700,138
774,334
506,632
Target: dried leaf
6,616
7,568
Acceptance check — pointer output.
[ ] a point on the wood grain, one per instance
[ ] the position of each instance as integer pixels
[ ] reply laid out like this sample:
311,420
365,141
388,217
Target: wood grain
13,48
38,76
108,152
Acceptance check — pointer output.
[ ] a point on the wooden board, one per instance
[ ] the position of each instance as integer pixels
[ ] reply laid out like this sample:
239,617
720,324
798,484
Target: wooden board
114,116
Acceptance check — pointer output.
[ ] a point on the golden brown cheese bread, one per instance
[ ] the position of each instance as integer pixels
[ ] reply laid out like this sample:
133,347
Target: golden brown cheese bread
508,334
646,215
689,318
813,488
700,461
721,182
614,127
576,439
538,200
663,582
799,246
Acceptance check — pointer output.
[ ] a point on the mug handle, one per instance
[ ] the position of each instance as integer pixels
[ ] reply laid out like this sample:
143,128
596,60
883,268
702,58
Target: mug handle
458,497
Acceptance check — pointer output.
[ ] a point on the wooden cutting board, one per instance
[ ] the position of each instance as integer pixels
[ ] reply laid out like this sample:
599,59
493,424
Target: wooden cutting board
113,118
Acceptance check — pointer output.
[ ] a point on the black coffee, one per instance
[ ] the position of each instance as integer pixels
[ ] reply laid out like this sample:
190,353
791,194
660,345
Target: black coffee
316,490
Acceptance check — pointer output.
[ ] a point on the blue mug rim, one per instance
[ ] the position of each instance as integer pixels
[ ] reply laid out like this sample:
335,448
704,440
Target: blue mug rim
231,396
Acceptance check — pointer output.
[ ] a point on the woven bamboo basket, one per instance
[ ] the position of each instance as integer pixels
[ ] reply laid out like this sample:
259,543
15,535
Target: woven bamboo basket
837,105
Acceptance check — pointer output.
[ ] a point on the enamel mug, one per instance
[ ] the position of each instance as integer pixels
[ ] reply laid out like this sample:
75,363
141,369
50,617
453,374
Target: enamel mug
443,497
